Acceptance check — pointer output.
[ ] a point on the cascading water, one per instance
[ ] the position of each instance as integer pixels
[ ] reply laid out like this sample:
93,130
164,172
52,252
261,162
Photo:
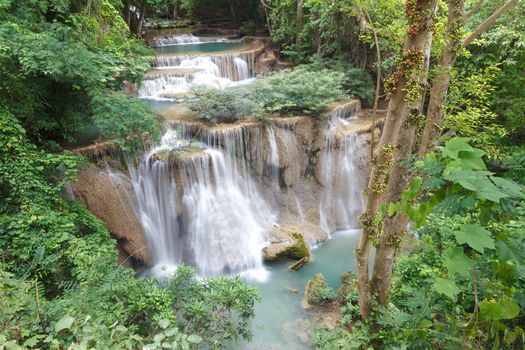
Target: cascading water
228,217
342,201
222,220
184,72
156,195
186,39
342,115
274,157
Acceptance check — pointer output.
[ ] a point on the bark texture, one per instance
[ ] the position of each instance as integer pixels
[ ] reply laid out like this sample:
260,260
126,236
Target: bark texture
404,85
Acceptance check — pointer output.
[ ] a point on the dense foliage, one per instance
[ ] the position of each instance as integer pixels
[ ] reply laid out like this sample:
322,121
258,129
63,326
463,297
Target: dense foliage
62,68
307,89
463,285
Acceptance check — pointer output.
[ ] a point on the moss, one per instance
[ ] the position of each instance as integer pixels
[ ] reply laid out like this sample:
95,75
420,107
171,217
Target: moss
318,292
348,285
298,249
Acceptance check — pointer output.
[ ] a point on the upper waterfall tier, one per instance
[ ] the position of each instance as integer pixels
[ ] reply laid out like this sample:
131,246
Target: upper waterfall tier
185,39
178,74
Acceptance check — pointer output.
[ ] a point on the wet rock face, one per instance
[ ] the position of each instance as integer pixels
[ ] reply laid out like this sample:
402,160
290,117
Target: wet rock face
108,196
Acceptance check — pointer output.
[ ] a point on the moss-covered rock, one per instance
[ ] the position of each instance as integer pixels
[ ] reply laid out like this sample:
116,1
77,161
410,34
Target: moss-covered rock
298,249
347,286
318,292
295,248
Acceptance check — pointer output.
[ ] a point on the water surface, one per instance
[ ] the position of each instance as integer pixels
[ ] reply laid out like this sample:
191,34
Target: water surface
280,322
201,48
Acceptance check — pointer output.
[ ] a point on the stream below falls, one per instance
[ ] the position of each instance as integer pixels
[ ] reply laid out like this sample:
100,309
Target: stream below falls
281,323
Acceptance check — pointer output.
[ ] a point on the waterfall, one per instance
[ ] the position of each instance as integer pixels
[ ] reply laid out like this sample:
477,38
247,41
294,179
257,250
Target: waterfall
186,39
223,65
342,200
228,217
274,157
167,84
242,68
219,221
343,114
156,194
185,72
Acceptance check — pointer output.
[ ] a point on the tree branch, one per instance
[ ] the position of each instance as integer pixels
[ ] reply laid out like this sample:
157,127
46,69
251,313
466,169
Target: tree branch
488,22
475,9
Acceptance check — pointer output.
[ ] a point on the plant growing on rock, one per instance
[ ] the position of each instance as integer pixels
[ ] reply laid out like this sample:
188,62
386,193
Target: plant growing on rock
297,90
221,106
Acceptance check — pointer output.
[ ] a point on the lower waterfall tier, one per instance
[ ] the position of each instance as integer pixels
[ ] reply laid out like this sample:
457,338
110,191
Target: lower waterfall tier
216,197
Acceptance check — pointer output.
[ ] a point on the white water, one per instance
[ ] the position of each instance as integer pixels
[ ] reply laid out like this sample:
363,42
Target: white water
274,157
219,72
185,39
342,200
156,195
220,224
343,115
228,217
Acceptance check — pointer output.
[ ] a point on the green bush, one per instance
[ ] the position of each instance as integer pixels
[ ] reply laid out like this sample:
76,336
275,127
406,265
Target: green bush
221,106
297,90
356,82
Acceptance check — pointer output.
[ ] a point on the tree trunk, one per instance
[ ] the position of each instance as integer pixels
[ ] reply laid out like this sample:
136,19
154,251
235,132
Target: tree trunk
299,20
394,228
404,81
142,16
176,10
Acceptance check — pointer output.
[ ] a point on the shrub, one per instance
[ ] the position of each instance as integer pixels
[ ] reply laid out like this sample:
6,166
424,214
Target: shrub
299,89
356,82
215,106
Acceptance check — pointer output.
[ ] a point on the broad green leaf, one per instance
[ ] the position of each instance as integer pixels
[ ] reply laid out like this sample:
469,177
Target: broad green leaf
457,262
195,339
64,323
472,159
446,287
509,187
505,309
164,323
454,146
475,237
11,345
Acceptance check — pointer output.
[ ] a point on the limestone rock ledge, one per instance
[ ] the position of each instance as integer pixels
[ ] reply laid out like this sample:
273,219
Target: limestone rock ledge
107,195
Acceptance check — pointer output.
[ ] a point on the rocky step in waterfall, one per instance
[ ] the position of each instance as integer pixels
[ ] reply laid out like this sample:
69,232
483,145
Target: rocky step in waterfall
214,198
177,73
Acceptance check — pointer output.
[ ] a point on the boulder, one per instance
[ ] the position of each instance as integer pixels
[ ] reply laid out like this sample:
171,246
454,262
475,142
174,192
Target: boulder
318,292
291,246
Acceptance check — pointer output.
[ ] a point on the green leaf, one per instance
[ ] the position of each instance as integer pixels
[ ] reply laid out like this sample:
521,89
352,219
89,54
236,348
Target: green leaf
475,237
195,339
64,323
509,187
457,262
11,345
164,323
454,146
446,287
505,309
